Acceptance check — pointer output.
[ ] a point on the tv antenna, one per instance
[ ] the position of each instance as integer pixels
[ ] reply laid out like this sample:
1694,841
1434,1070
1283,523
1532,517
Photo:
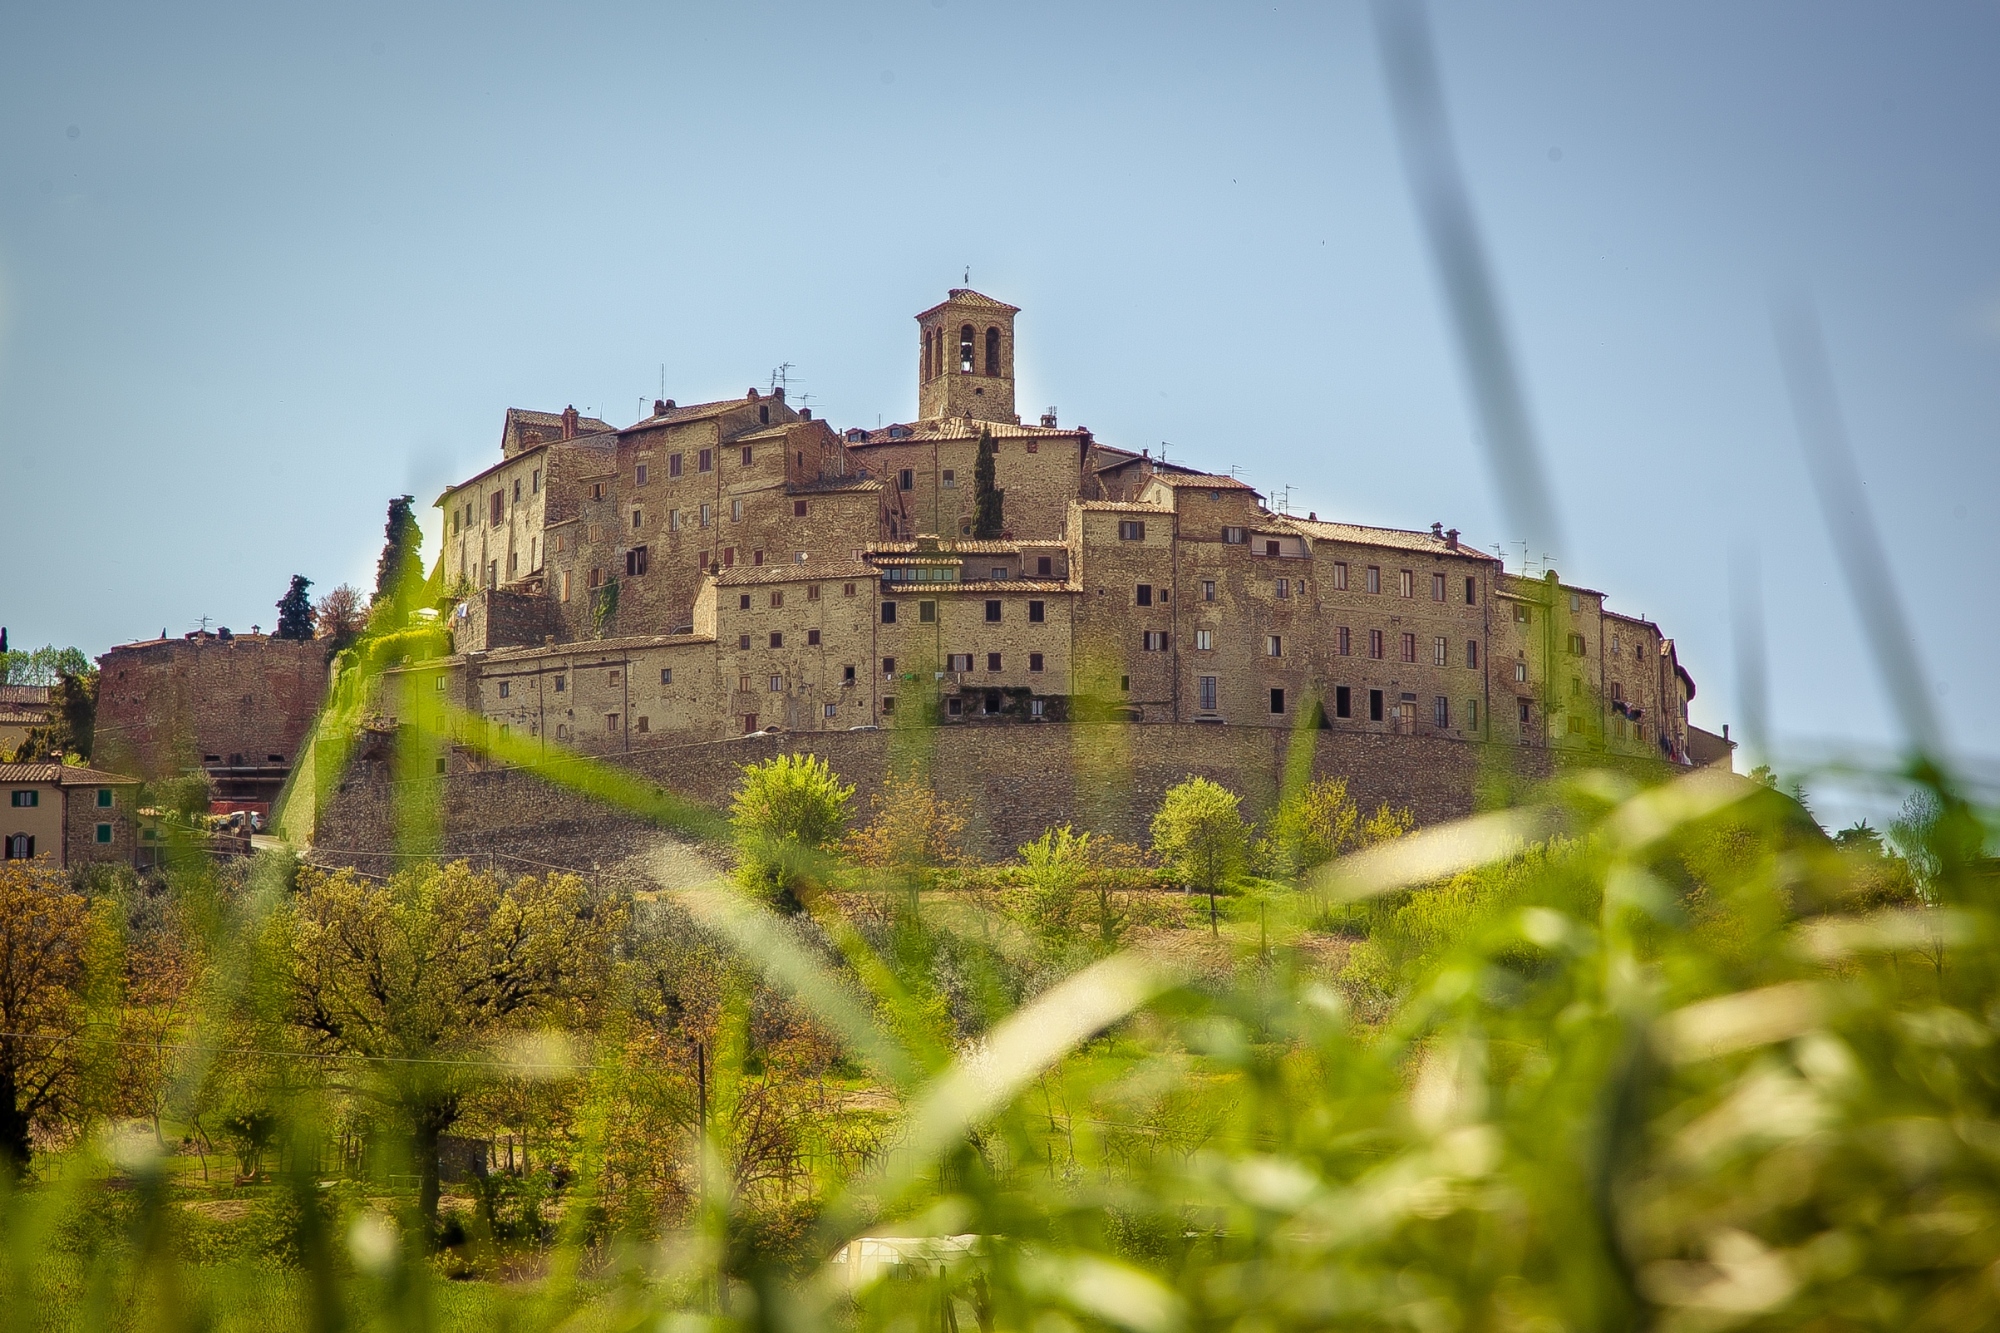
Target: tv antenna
781,377
968,275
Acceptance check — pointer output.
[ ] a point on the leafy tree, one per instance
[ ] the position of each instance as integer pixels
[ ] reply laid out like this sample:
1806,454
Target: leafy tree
911,831
339,617
295,611
399,573
43,666
418,978
1199,832
72,725
1320,821
987,522
44,938
786,810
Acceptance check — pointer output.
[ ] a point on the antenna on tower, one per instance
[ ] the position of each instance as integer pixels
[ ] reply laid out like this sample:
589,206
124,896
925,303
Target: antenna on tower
781,376
968,275
663,379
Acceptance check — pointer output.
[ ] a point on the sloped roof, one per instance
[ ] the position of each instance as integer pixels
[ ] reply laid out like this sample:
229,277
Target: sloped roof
964,297
960,428
674,416
31,695
1130,506
1202,481
830,485
1397,538
813,571
954,546
66,775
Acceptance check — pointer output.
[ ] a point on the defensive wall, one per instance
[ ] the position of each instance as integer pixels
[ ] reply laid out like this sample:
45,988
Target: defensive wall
1015,780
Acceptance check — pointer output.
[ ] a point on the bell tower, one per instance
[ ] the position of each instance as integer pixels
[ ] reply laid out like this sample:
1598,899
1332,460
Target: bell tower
965,365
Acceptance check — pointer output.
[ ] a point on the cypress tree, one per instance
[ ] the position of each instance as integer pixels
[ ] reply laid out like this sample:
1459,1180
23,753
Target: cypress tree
986,497
295,611
399,574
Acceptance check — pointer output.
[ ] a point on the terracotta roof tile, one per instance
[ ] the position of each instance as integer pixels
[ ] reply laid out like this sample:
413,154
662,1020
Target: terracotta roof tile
1213,481
67,775
812,571
1106,506
960,428
673,416
32,695
1395,538
965,296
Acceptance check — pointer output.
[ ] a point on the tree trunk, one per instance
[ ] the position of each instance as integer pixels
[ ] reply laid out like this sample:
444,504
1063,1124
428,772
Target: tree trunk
430,1123
14,1146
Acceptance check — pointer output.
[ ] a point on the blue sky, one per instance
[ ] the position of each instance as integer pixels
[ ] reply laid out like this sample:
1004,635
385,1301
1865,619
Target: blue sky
262,267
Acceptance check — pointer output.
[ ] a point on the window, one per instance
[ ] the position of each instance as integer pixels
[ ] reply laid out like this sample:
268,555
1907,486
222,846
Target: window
1576,645
926,613
992,351
906,480
1145,594
888,613
992,661
958,662
497,509
847,590
743,642
1437,587
1125,683
1344,641
562,683
1520,613
954,706
1520,672
749,723
535,482
777,598
1284,589
645,724
1274,645
1154,641
1035,706
493,574
597,490
635,559
743,684
1472,654
1204,640
777,684
1037,612
746,448
611,721
20,847
1472,714
1235,537
812,638
1205,687
736,511
1374,583
613,679
1375,644
777,638
949,479
1409,647
1374,705
1045,567
1471,591
757,557
666,676
438,684
830,710
673,465
1208,590
888,704
798,509
506,688
888,668
1277,701
705,460
673,520
1034,662
1131,530
24,800
639,475
993,611
707,515
104,830
1343,701
1575,602
1440,651
1441,711
1406,583
1340,576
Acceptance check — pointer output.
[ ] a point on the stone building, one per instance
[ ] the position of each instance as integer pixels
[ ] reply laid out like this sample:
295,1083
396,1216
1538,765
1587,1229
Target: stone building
22,709
736,566
233,706
71,815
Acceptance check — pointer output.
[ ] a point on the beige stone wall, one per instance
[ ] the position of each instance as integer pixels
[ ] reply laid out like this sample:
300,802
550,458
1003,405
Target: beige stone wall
168,705
794,647
1112,661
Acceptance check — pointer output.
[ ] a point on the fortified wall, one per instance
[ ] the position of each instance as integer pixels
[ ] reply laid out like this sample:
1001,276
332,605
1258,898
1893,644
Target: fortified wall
1014,781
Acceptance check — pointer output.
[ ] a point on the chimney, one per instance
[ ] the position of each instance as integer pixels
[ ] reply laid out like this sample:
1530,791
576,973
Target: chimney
1451,538
660,406
753,393
805,414
1049,419
1312,516
569,420
779,393
1437,529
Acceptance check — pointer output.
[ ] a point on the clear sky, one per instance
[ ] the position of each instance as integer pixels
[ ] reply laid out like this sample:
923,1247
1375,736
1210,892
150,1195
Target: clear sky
261,267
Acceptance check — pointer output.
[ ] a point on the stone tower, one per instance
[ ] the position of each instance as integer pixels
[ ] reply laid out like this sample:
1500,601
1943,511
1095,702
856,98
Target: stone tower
966,365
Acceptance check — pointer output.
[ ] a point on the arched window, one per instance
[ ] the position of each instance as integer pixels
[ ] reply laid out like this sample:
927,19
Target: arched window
993,351
925,372
965,349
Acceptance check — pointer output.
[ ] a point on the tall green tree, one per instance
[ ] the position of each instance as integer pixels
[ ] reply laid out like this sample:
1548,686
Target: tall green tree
42,666
787,810
295,611
987,497
44,934
399,574
72,726
1199,832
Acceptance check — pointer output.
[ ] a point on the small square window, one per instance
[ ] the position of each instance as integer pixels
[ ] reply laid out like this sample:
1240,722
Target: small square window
1045,567
830,710
798,509
992,661
1343,701
639,474
1144,596
812,592
927,613
847,590
1208,590
888,613
104,798
743,642
1274,645
1037,612
777,638
812,638
777,685
1277,701
949,479
666,675
993,612
506,688
777,598
1204,640
1034,661
645,724
742,601
1374,578
104,833
847,675
562,683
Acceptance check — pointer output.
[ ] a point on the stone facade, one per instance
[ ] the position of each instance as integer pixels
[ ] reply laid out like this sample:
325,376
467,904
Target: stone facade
737,566
72,816
235,706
